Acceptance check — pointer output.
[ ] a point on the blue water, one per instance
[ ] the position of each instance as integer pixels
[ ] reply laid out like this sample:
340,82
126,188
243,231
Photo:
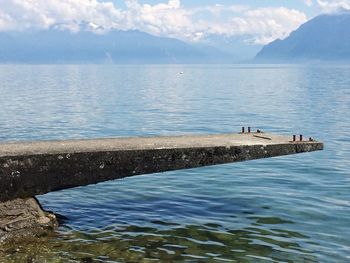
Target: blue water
287,209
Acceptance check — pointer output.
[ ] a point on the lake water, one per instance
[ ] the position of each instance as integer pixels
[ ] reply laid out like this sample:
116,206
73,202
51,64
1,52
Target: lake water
286,209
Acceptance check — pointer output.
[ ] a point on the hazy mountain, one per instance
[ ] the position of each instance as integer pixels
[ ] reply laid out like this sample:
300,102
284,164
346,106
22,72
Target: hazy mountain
58,46
323,38
239,47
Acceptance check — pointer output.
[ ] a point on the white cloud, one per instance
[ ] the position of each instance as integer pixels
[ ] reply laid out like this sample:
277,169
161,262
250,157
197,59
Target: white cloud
27,14
171,19
309,2
266,24
330,6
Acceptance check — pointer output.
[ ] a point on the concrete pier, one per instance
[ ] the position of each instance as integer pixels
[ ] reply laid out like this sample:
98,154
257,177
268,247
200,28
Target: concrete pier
32,168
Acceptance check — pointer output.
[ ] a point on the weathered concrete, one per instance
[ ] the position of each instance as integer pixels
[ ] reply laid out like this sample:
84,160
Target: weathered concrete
29,169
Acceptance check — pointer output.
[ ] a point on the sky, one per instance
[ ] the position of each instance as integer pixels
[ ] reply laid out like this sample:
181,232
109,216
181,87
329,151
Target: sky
255,22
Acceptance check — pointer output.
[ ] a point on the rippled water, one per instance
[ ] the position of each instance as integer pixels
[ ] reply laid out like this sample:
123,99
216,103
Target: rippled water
289,209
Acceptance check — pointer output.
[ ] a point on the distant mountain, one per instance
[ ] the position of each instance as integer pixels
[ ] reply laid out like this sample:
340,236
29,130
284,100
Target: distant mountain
115,46
239,47
323,38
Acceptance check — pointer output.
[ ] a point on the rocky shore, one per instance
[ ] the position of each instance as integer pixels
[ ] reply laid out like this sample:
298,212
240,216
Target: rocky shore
24,218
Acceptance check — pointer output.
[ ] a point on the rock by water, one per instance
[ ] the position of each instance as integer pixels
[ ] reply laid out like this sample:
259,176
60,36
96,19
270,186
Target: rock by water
24,218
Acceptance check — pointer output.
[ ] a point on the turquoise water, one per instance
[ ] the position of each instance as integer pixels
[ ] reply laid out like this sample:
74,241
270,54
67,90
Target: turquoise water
287,209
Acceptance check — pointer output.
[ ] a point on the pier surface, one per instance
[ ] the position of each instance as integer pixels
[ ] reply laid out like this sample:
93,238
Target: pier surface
31,168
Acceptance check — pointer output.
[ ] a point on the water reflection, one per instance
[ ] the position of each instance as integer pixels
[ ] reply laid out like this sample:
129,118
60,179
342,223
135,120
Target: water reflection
262,241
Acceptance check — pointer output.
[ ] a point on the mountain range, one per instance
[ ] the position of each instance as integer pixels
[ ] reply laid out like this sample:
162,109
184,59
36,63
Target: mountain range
323,38
59,46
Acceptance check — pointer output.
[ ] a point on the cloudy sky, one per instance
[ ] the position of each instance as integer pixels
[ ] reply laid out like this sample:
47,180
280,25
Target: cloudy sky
256,21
